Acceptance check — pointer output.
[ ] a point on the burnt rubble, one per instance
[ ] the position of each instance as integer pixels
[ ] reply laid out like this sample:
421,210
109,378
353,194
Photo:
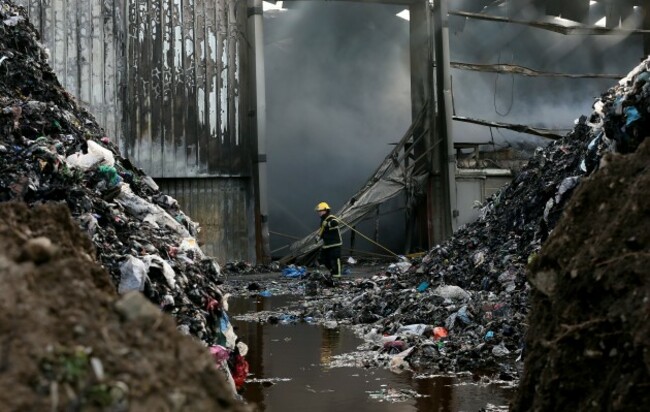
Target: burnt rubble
587,343
474,285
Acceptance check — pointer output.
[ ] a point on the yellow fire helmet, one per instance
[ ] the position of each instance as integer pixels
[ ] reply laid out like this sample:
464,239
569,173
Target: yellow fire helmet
322,206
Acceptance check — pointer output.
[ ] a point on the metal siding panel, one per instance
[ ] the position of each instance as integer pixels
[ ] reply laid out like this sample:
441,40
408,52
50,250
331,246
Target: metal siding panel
210,216
132,112
468,190
167,87
218,229
156,44
212,72
120,27
223,88
241,81
179,96
46,24
164,78
110,58
217,139
97,61
84,45
227,217
144,85
57,46
189,58
201,61
70,76
231,139
219,206
245,121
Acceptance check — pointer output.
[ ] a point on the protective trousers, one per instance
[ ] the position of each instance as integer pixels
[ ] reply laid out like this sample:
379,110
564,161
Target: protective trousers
331,258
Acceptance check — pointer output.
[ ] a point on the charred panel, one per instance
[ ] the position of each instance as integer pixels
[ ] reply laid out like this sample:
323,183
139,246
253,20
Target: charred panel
220,206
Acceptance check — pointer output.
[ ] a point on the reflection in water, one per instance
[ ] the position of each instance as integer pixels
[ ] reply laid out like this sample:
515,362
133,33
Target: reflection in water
302,352
252,333
329,343
440,394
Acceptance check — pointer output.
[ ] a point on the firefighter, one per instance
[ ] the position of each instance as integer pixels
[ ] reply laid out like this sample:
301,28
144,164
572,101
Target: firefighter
330,233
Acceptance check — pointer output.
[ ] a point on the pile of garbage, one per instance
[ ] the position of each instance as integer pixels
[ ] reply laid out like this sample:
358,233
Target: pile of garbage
53,151
70,342
589,332
472,289
246,268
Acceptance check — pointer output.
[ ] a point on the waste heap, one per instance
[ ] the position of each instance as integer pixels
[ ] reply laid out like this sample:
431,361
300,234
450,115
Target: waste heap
69,342
473,287
51,150
588,341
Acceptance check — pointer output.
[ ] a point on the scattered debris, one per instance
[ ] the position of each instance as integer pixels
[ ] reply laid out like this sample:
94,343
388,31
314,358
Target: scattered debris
395,395
475,285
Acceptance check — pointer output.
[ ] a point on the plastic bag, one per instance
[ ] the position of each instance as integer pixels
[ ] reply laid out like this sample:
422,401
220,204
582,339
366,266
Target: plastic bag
97,155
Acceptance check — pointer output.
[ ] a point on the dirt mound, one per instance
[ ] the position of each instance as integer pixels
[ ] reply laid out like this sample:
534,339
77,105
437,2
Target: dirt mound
589,339
68,342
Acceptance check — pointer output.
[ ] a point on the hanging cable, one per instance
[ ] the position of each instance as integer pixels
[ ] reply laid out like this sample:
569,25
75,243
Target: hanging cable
368,239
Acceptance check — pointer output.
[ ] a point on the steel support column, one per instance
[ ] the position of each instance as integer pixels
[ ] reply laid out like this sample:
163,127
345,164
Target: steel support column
258,114
421,225
444,165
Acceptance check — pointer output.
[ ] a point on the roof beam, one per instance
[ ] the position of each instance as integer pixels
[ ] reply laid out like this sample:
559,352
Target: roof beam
559,26
525,71
397,2
521,128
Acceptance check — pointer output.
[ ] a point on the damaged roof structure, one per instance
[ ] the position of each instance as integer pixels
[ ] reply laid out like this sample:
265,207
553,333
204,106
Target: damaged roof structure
422,162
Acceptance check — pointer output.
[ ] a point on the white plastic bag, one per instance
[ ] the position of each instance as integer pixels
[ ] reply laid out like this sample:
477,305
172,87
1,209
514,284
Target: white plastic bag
97,155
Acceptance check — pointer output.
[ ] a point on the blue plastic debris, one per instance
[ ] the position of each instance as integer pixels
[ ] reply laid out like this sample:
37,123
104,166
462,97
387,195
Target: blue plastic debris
285,319
631,115
462,315
293,271
423,286
266,293
489,335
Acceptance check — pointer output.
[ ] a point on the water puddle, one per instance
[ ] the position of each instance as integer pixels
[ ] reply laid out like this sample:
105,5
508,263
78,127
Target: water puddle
294,367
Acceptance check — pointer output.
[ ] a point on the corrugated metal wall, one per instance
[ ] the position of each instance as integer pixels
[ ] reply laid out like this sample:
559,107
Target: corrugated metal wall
84,39
224,206
168,80
188,61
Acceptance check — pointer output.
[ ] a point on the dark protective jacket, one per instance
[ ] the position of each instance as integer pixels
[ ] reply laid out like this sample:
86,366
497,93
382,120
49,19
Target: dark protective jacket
329,231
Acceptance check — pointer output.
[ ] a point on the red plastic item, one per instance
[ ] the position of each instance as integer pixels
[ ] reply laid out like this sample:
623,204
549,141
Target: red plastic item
439,332
240,371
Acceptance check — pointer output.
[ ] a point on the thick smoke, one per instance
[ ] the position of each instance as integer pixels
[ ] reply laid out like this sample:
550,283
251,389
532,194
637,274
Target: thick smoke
338,93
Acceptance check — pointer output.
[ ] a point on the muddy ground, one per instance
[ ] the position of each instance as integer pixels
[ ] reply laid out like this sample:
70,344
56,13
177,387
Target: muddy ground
69,343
